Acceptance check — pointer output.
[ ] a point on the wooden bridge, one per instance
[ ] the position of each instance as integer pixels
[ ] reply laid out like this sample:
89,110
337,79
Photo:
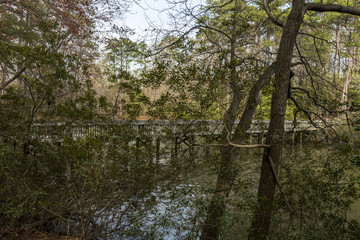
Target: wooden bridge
156,128
165,138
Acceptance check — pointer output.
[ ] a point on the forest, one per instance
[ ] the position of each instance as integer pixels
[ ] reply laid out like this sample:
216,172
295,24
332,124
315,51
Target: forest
239,120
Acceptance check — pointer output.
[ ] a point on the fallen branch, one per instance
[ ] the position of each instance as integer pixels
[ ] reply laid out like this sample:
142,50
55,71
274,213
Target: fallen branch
242,145
52,212
234,145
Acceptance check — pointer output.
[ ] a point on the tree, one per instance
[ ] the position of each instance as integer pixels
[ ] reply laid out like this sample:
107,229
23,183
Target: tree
220,72
47,57
308,99
123,61
42,43
221,69
261,222
279,102
24,23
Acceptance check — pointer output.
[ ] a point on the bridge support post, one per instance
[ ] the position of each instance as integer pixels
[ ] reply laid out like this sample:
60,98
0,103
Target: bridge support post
150,150
137,142
207,148
298,137
260,138
174,152
157,149
191,147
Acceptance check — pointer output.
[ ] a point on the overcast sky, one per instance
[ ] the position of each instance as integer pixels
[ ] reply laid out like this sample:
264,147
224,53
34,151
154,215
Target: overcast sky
147,10
139,16
153,11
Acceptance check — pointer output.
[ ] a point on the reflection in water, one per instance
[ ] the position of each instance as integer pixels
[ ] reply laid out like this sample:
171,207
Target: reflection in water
310,173
314,176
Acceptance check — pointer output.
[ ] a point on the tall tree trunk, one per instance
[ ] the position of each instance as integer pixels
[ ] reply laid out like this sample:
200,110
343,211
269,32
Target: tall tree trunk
347,80
229,155
337,51
216,208
261,222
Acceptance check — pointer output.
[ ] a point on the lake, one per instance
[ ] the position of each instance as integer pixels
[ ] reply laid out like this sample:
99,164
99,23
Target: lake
317,179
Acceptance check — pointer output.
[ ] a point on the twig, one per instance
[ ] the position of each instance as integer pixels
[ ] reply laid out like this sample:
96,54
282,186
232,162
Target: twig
352,225
271,16
52,212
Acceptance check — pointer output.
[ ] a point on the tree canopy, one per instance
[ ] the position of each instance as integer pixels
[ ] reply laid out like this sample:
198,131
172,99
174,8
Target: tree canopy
76,158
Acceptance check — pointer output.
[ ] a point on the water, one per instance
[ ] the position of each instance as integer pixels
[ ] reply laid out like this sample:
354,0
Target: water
175,209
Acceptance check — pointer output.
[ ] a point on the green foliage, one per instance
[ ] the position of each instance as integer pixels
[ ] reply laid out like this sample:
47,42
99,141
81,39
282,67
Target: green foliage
123,60
320,190
111,184
263,111
95,186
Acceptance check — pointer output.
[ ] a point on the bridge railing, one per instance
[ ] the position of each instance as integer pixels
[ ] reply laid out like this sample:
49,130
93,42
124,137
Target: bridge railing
155,127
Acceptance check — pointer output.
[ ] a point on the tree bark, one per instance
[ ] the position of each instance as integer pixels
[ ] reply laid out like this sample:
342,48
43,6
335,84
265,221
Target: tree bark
347,80
261,222
319,7
337,61
229,154
216,208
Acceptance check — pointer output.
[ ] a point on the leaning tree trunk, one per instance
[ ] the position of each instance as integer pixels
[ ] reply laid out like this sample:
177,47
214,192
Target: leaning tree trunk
229,155
216,208
261,222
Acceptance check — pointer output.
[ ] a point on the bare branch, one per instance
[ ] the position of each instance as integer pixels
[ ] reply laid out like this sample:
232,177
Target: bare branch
216,30
174,42
249,146
311,73
235,145
318,7
315,100
219,6
18,74
271,16
318,54
316,37
308,114
307,66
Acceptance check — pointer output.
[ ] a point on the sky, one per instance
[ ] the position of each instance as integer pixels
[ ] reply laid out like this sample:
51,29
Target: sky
149,11
137,18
